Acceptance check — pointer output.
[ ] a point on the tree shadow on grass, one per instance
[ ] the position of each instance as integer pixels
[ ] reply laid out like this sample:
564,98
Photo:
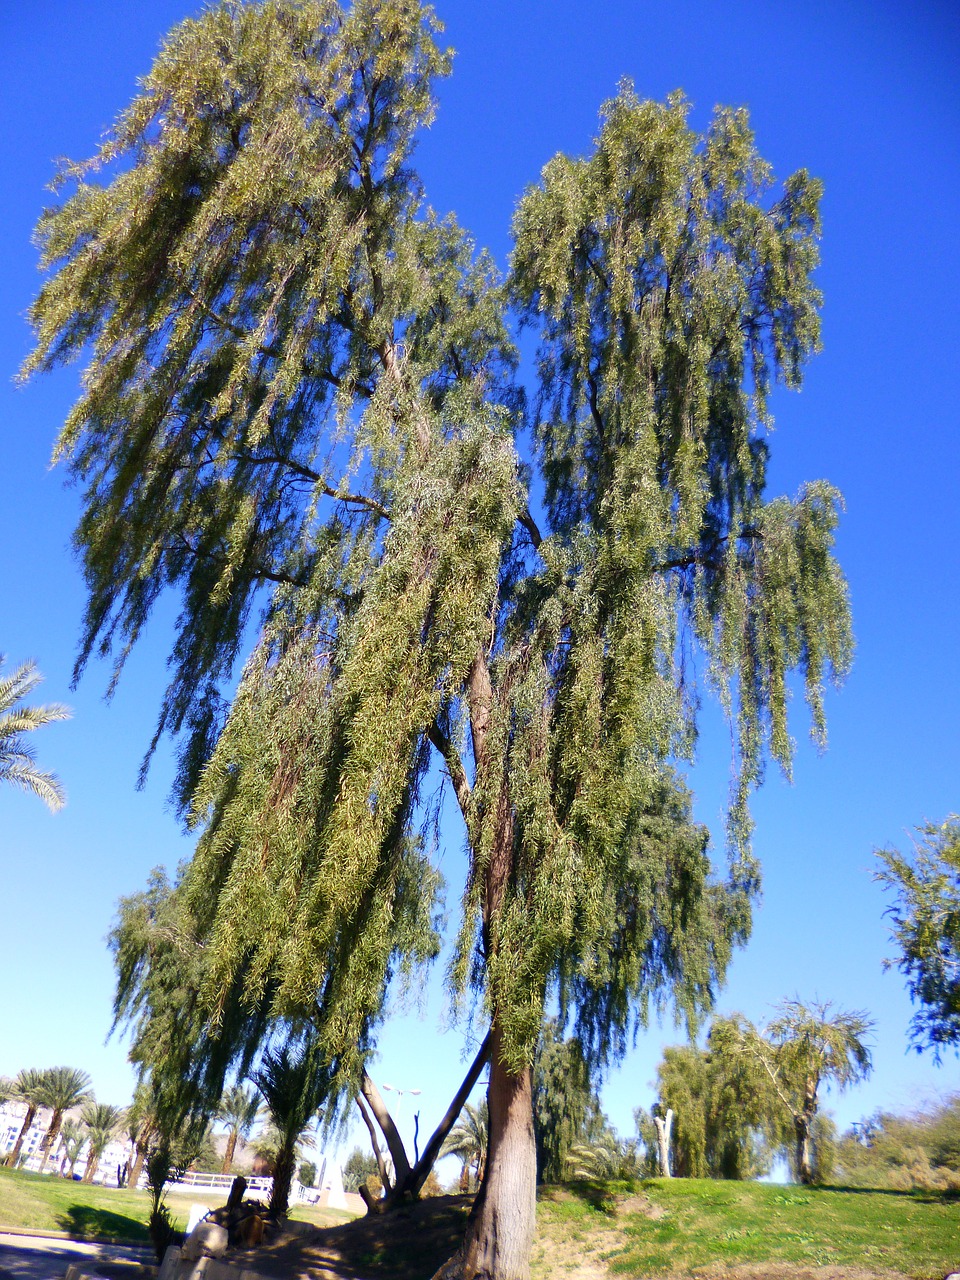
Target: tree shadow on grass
921,1194
83,1222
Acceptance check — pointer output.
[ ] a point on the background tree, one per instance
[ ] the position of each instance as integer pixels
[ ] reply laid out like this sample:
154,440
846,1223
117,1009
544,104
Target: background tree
74,1134
926,929
238,1110
298,398
103,1124
61,1089
469,1139
606,1158
566,1108
358,1166
17,757
803,1048
28,1088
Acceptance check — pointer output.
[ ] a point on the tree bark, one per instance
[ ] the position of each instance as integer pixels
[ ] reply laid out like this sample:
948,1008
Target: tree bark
803,1155
663,1126
282,1178
137,1168
398,1154
49,1138
28,1120
230,1151
500,1230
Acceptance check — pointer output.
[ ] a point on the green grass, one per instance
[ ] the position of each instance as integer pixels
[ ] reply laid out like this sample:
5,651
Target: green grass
43,1203
718,1225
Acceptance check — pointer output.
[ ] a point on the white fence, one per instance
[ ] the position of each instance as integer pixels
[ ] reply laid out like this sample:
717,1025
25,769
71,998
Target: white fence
191,1182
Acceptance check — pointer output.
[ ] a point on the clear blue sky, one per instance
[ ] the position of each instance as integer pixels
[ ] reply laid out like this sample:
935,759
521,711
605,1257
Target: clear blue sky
865,94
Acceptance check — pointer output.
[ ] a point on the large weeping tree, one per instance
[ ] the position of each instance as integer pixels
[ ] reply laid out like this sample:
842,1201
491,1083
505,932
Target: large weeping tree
297,412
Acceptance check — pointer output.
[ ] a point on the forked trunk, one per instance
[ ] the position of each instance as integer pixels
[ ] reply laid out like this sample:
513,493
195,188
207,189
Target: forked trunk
93,1163
500,1231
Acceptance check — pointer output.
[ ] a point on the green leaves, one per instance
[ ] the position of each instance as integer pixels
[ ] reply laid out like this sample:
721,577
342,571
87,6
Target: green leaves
925,925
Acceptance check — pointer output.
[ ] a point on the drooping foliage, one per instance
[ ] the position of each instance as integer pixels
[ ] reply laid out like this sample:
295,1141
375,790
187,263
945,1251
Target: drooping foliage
566,1108
298,413
925,919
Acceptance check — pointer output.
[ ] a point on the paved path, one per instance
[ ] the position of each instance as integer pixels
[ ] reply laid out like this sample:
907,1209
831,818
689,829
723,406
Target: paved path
40,1258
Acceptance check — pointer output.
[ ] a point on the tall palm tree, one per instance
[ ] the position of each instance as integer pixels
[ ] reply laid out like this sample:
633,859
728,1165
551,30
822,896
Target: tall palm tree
102,1123
27,1087
62,1088
293,1085
17,760
238,1110
468,1140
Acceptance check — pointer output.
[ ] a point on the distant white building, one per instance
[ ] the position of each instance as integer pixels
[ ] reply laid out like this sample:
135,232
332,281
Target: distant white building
12,1115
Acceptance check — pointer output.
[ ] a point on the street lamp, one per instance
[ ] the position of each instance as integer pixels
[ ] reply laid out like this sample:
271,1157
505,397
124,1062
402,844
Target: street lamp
416,1119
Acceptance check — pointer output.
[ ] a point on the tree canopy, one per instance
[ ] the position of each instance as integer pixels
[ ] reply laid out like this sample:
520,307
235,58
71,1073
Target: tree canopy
299,412
925,919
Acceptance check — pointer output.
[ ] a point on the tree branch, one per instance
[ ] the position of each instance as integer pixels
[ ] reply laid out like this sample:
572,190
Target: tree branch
451,758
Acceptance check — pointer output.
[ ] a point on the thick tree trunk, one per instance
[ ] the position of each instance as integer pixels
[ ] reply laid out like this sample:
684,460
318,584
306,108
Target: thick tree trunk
93,1163
500,1230
229,1152
803,1153
282,1178
663,1126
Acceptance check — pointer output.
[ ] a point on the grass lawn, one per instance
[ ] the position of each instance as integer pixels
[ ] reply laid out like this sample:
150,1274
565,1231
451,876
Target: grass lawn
42,1202
587,1231
685,1226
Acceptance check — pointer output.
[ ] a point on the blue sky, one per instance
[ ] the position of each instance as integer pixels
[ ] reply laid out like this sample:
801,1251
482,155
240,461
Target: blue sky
864,93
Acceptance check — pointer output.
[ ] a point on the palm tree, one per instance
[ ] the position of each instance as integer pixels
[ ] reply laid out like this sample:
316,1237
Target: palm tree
607,1159
17,761
62,1088
468,1140
293,1085
102,1123
238,1110
74,1136
27,1087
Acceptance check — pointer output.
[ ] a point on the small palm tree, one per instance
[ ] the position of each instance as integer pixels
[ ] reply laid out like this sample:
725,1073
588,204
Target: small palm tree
238,1110
141,1126
17,759
468,1140
27,1087
293,1084
102,1123
62,1088
606,1160
74,1136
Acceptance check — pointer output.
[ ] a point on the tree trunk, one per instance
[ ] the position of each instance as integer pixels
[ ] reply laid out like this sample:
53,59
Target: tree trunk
282,1178
93,1162
28,1120
500,1230
663,1126
49,1138
803,1153
229,1153
139,1158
